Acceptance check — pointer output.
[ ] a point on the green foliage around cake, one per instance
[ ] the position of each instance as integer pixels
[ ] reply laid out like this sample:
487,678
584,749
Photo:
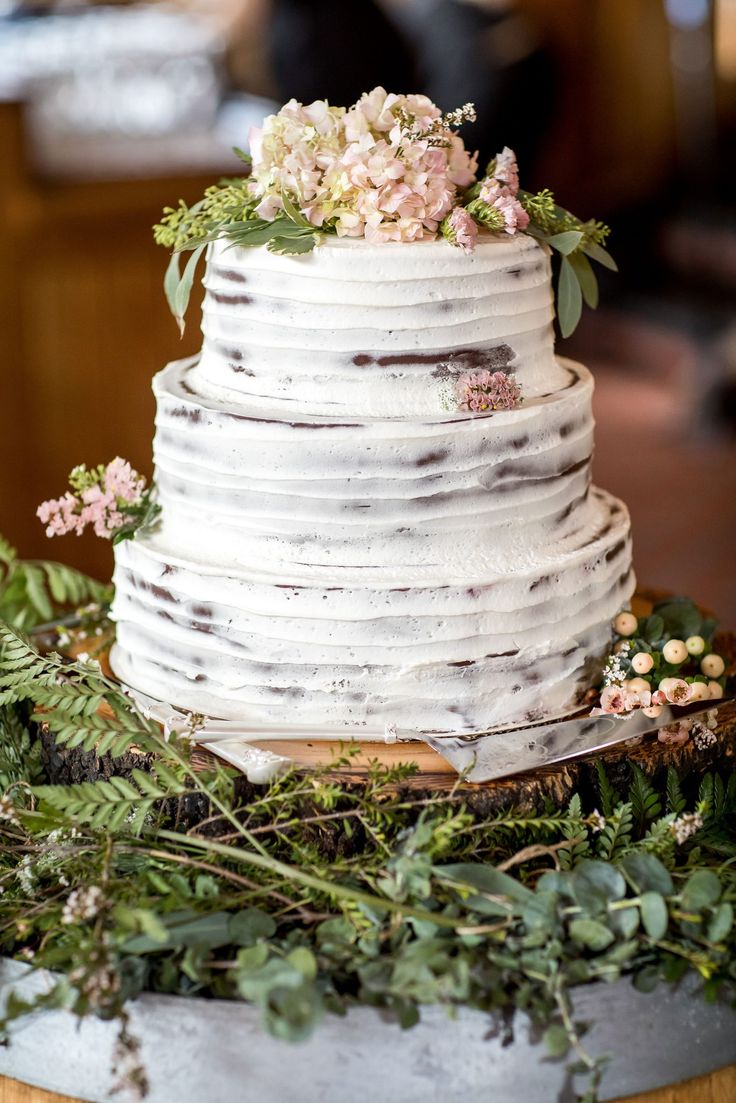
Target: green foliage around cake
227,211
309,896
33,591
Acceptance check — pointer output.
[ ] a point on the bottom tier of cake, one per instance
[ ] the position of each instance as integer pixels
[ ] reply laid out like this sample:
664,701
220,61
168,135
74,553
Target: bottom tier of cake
457,655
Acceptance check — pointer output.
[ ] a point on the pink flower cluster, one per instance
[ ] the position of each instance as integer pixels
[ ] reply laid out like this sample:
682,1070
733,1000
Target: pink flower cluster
99,499
618,699
461,229
691,727
486,390
501,189
387,169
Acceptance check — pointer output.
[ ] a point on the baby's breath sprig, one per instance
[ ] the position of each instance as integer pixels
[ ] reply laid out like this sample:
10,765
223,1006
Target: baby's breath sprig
436,134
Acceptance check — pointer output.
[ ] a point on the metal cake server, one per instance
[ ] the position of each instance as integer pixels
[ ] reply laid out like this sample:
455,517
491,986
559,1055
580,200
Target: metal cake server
501,753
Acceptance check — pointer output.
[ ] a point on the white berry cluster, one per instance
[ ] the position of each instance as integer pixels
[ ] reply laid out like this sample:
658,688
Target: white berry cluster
698,671
82,904
685,826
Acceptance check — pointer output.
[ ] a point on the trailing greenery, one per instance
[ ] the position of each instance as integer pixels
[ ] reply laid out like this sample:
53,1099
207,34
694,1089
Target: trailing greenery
226,211
577,243
309,896
34,591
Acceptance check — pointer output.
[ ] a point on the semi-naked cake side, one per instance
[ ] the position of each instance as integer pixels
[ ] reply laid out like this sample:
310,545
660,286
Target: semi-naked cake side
342,542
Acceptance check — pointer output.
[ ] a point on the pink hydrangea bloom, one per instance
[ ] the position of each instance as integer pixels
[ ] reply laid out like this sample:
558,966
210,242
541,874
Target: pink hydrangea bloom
486,390
99,504
60,516
388,169
463,229
122,481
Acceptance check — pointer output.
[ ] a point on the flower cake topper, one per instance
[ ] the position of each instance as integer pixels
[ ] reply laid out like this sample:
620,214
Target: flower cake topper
388,169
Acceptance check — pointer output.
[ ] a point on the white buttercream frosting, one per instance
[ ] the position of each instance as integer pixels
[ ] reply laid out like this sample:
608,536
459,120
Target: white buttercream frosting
362,329
338,544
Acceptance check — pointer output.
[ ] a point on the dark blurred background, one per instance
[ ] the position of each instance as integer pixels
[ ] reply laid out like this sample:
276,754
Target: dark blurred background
625,108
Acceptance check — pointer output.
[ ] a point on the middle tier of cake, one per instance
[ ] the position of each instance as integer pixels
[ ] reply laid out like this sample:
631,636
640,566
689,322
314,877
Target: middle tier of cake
428,499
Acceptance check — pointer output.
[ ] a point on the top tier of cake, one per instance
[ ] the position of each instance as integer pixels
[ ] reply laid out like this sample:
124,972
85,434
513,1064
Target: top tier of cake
376,330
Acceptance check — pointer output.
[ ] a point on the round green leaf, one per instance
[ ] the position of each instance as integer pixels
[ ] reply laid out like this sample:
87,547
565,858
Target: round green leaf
595,883
647,874
702,890
556,1040
654,915
591,933
721,923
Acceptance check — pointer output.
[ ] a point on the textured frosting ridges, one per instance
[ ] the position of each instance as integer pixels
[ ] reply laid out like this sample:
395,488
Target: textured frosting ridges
427,657
339,544
376,330
399,498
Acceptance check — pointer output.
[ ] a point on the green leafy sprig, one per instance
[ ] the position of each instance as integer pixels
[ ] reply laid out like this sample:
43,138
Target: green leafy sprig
32,589
227,211
578,243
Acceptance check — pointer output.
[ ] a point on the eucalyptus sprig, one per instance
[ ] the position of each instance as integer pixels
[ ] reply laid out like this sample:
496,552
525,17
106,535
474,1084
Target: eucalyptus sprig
227,212
578,243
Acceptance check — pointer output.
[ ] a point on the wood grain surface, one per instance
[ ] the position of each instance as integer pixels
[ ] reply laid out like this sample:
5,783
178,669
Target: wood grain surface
718,1087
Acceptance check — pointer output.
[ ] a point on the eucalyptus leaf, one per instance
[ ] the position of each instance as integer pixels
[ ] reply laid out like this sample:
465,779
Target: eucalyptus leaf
591,933
566,242
702,889
654,915
171,281
602,256
569,298
595,884
586,278
486,880
184,287
720,925
556,1040
248,926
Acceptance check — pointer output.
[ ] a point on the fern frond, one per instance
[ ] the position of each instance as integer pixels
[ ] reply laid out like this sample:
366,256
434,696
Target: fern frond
574,828
108,804
676,801
644,799
105,734
616,835
659,840
609,798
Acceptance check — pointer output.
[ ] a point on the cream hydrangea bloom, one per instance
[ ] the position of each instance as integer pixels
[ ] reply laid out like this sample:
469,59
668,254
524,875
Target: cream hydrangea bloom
387,169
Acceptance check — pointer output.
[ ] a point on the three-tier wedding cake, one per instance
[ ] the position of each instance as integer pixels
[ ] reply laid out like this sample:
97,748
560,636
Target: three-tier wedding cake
375,489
